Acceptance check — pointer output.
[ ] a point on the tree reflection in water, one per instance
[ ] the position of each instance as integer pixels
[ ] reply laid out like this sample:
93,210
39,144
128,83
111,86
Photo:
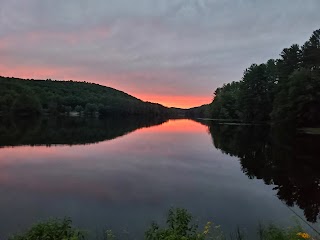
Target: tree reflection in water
278,155
69,130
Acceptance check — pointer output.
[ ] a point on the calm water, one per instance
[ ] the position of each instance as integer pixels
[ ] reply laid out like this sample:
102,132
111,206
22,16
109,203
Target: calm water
123,173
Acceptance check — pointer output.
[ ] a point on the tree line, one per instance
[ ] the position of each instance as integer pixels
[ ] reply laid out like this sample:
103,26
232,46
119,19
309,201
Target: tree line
285,89
24,97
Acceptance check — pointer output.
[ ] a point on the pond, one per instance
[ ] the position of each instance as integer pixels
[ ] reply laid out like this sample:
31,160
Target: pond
124,173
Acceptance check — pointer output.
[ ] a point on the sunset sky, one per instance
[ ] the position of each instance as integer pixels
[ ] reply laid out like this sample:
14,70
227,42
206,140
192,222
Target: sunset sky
175,52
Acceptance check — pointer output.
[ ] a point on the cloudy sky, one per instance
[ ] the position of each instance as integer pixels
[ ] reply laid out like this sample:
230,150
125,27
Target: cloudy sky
175,52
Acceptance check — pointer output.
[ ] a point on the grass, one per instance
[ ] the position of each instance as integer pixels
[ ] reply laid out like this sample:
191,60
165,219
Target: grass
179,226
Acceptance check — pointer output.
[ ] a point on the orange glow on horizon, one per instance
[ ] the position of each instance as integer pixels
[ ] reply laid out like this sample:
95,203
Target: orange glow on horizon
176,125
25,72
67,73
54,152
187,101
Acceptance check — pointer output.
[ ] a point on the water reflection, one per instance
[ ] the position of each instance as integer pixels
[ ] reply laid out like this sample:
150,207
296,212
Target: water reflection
280,157
68,130
129,181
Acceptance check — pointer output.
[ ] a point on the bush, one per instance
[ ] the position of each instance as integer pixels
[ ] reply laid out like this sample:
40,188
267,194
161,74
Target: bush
51,230
273,232
180,227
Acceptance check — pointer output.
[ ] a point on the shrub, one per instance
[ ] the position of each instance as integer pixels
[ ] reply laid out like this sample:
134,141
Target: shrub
51,230
180,227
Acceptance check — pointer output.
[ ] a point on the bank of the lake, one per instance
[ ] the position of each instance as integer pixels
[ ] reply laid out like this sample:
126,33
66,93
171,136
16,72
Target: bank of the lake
180,225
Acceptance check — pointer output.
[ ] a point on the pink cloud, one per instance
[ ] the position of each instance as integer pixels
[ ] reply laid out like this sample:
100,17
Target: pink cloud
151,85
29,72
67,37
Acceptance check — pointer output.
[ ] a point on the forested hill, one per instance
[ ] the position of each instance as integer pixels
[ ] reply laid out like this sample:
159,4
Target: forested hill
25,97
282,90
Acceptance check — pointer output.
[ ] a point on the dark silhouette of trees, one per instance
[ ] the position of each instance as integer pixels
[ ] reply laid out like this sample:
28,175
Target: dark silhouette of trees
79,109
196,112
60,97
226,101
282,90
26,105
286,65
91,109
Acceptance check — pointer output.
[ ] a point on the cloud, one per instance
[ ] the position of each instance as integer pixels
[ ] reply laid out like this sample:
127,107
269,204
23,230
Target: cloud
149,47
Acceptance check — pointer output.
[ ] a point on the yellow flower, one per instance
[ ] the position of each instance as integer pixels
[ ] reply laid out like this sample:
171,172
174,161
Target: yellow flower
303,235
207,228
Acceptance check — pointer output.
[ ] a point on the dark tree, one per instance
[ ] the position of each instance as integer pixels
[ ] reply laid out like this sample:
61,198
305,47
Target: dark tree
26,105
78,109
282,90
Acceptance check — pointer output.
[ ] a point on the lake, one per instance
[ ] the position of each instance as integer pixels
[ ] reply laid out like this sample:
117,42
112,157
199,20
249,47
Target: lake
123,173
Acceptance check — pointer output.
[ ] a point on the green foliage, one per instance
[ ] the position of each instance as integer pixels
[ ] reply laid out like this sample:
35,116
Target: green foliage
109,235
181,227
255,92
78,109
67,109
283,90
304,97
51,230
198,112
273,232
289,62
311,52
91,108
225,104
249,100
57,97
26,105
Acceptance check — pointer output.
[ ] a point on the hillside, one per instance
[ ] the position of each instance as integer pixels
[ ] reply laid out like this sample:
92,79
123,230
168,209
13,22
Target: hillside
202,111
28,96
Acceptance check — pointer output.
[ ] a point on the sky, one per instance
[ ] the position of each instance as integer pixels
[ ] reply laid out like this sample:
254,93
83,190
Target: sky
174,52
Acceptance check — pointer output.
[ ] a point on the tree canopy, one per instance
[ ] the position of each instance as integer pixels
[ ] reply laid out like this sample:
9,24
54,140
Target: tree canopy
56,97
286,89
